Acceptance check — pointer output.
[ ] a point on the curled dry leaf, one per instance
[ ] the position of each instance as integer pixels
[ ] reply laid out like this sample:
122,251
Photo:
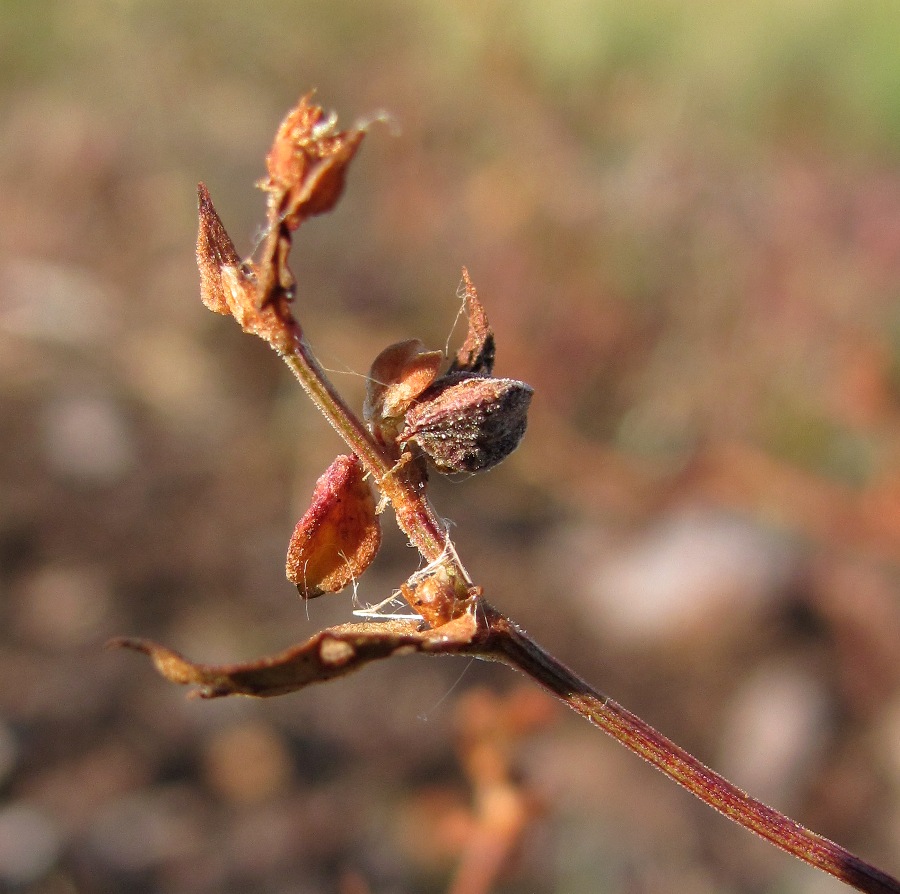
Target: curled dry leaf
478,350
339,535
399,374
307,164
228,286
331,653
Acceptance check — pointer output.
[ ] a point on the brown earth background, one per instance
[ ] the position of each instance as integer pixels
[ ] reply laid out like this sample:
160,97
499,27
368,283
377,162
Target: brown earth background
684,221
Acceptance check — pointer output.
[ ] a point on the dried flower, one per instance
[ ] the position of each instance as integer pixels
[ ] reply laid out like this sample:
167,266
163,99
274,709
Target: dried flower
307,168
307,163
399,374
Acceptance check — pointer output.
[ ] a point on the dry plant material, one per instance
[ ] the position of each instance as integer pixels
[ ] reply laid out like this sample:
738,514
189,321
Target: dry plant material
490,731
476,355
468,423
339,535
228,286
331,653
463,421
398,375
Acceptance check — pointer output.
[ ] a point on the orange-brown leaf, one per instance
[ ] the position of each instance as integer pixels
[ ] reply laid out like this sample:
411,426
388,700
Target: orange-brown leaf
215,251
228,286
331,653
339,535
477,352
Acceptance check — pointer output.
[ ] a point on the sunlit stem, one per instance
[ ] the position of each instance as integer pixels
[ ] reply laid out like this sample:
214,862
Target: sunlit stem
415,515
516,649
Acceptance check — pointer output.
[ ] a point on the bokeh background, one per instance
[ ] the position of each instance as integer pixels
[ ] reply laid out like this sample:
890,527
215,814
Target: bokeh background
684,220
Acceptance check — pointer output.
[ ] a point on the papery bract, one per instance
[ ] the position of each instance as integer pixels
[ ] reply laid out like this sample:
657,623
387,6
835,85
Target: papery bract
338,536
477,352
229,286
399,374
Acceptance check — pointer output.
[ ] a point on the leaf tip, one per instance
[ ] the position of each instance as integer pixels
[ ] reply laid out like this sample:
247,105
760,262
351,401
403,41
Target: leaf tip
479,349
215,251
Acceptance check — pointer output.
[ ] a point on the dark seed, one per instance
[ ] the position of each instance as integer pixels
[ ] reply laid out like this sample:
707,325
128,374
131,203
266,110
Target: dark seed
468,423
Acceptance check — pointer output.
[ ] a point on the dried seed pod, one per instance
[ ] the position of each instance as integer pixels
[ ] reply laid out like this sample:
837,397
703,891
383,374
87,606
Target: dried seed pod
399,374
468,423
434,596
339,535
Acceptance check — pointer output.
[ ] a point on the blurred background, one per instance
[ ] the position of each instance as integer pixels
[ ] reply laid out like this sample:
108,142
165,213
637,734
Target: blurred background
684,221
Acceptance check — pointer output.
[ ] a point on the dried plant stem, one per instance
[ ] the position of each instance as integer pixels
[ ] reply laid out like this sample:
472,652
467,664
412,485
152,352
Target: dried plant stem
505,642
414,512
519,651
317,385
306,173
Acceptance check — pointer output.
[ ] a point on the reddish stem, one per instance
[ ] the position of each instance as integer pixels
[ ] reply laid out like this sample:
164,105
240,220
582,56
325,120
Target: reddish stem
512,646
501,639
313,186
414,512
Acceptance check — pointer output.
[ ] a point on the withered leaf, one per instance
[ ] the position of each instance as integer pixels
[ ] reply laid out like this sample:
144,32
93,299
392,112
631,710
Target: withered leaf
399,374
340,533
307,163
331,653
228,286
478,350
215,252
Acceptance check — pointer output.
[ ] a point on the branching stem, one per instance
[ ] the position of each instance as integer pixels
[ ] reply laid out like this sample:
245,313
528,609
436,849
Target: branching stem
306,173
522,653
502,640
414,511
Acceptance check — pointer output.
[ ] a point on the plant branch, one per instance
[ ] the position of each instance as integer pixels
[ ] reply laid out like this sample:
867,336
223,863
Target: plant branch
398,483
483,632
518,650
306,175
507,643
